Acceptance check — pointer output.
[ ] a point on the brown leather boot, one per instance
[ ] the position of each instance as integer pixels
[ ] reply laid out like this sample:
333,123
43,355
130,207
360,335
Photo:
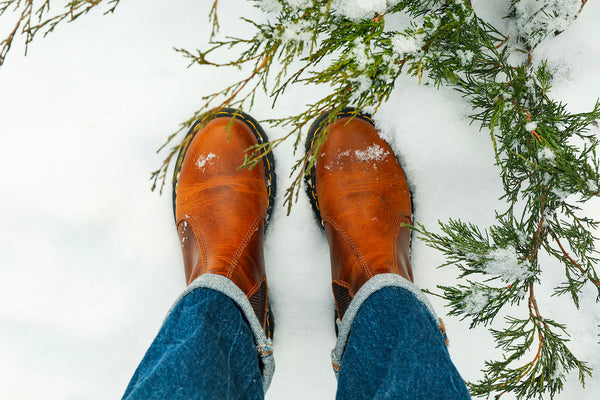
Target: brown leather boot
359,192
220,209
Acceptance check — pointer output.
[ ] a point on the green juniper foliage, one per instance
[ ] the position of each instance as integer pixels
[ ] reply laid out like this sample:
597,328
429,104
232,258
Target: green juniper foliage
548,162
32,17
546,156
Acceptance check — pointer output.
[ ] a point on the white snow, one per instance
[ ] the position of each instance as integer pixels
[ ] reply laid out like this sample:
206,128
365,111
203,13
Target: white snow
270,6
404,46
359,54
550,15
362,85
559,370
374,152
506,264
546,153
296,31
522,237
298,4
91,260
560,193
476,301
500,77
531,126
465,56
371,153
360,9
204,159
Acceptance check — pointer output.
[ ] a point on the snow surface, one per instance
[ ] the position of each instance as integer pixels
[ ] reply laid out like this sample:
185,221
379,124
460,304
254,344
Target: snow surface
90,257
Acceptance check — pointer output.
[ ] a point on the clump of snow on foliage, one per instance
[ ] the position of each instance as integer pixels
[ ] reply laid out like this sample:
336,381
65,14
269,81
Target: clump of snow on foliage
296,31
359,53
531,126
299,4
549,215
435,21
362,84
536,19
476,300
403,45
505,263
559,371
592,185
522,237
361,9
465,57
500,77
270,6
560,193
546,154
372,153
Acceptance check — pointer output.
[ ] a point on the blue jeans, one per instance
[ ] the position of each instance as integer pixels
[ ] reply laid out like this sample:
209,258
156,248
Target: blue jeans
206,350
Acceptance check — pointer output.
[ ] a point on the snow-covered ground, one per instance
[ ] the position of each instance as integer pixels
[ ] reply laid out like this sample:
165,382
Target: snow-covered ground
89,257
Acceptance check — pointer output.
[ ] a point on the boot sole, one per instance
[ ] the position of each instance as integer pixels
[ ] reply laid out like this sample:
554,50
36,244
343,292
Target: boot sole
268,161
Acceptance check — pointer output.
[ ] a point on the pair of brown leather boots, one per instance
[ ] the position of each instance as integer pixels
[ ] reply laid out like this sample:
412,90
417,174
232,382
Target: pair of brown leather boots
357,188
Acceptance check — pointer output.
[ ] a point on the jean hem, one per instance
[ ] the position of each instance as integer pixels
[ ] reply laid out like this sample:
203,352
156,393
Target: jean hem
222,284
374,284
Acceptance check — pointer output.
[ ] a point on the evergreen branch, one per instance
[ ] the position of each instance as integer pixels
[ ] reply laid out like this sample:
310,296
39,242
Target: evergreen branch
213,18
593,279
32,20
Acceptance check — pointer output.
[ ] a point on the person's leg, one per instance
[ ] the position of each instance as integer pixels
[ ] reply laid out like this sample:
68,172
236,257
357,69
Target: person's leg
396,350
216,341
204,350
389,342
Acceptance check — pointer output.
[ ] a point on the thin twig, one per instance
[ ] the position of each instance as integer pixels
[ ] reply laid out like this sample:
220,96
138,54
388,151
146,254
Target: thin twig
579,267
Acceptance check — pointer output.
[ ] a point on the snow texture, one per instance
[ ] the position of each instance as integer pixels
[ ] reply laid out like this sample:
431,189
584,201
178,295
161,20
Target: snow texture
296,31
362,85
465,56
475,302
506,264
205,159
560,193
531,126
299,4
372,153
270,6
361,9
547,154
359,54
537,19
404,46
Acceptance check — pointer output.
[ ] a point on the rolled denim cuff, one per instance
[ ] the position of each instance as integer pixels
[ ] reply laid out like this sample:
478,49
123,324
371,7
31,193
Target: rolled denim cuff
264,346
374,284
